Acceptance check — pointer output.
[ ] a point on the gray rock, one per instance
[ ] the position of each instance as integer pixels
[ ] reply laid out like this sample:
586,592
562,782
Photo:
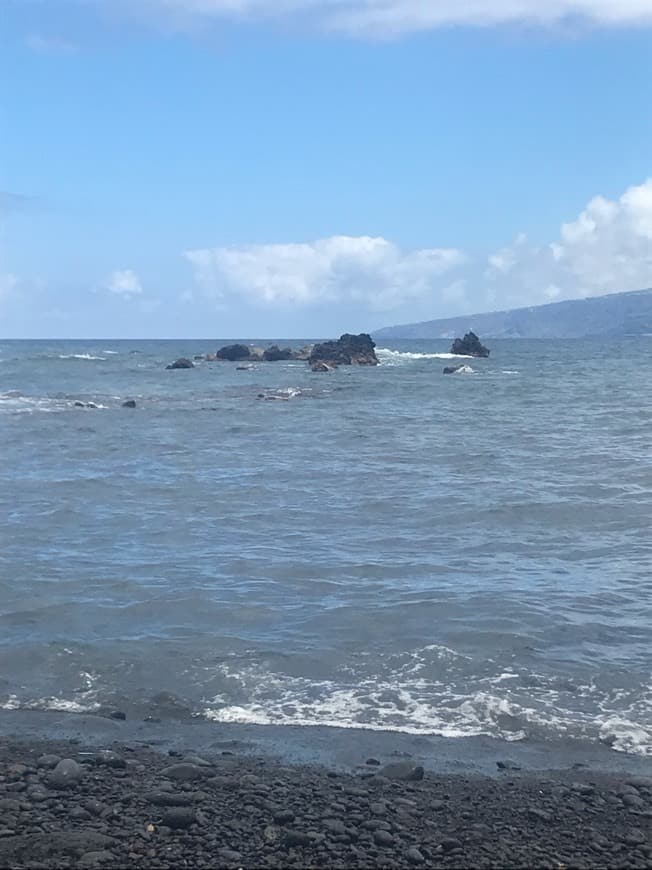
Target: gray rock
414,856
9,805
539,815
181,363
335,826
633,801
640,782
110,759
130,403
184,772
383,838
404,771
96,859
169,799
79,814
297,838
450,843
229,858
66,774
195,759
283,817
179,817
378,808
506,765
35,847
48,761
634,837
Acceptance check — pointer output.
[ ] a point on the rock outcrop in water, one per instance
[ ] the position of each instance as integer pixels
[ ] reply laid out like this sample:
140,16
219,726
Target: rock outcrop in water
458,370
470,345
347,350
233,352
181,363
276,354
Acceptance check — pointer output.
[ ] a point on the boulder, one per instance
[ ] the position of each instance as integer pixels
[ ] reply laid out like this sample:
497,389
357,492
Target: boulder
130,403
275,353
458,370
233,352
323,367
347,350
470,345
303,353
181,363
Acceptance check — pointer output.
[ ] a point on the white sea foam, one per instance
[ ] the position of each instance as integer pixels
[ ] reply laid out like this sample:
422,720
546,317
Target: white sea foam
80,356
397,357
406,701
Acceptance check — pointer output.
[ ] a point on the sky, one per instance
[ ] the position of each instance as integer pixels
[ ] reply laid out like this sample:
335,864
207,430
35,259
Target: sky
302,168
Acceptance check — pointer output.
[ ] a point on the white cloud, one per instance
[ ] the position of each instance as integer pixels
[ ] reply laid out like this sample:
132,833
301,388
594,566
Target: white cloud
369,271
124,282
606,248
382,18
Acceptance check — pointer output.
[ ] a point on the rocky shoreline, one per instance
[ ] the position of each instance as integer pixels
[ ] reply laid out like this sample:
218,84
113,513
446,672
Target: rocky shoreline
125,804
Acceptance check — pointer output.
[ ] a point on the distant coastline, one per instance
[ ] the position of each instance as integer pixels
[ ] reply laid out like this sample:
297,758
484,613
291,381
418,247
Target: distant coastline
616,315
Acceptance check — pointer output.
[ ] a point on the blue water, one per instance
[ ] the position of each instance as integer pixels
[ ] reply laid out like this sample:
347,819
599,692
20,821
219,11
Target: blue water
381,547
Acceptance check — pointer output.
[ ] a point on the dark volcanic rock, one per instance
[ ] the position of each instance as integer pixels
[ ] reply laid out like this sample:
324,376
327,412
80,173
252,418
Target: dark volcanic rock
184,772
469,346
347,350
275,354
233,352
179,817
130,403
181,363
66,774
403,771
450,370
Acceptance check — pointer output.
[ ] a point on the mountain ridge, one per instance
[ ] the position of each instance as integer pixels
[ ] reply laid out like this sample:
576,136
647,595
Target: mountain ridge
614,314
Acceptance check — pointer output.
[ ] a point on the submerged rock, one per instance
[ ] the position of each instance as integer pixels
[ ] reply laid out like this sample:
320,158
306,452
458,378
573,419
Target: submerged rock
181,363
323,367
470,345
130,403
347,350
458,370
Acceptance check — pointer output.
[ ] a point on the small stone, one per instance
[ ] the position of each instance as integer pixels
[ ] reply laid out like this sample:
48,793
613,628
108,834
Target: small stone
633,801
183,772
169,799
582,788
110,759
179,817
229,858
414,856
283,817
335,826
640,781
450,843
66,774
378,809
94,807
297,838
383,838
48,761
373,762
507,765
95,859
634,837
130,403
402,771
9,805
540,815
79,814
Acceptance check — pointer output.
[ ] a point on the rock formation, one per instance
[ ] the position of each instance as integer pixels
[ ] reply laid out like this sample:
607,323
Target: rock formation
347,350
470,345
275,354
233,352
181,363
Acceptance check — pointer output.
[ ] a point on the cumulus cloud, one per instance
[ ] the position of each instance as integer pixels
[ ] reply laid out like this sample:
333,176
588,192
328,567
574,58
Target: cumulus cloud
124,282
370,271
606,248
382,18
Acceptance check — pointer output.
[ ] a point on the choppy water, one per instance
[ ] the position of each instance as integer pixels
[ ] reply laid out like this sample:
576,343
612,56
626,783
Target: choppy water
388,548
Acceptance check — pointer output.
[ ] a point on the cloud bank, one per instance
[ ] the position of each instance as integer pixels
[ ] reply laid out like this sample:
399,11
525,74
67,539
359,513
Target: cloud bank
606,248
387,18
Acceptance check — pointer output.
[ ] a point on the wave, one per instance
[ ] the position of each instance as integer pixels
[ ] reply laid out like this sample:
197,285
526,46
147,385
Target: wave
496,706
394,357
80,356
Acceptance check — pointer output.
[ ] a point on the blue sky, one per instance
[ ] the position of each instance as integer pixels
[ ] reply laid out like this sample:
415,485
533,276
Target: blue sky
306,167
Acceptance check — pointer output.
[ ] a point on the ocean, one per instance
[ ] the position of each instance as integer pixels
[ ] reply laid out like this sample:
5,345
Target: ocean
382,548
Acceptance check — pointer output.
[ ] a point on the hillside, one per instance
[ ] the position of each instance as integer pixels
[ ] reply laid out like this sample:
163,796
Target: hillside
617,314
